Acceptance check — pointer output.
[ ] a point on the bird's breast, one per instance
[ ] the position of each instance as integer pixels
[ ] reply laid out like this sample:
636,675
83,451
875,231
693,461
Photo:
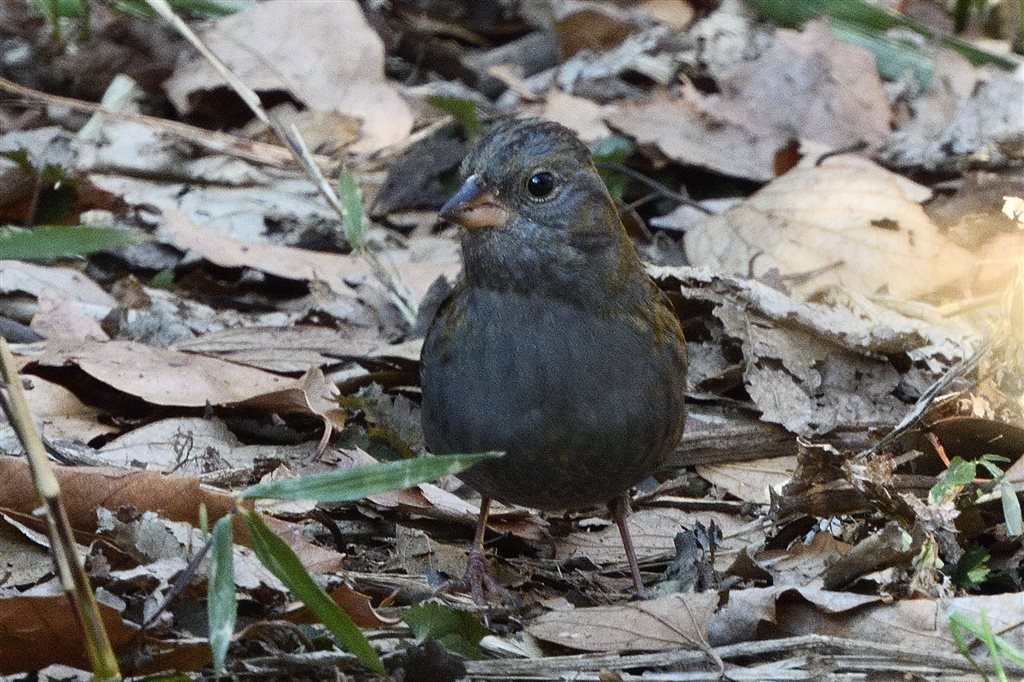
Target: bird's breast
585,403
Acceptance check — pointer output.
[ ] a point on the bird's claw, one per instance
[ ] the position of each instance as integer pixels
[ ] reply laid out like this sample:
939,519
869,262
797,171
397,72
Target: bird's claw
478,582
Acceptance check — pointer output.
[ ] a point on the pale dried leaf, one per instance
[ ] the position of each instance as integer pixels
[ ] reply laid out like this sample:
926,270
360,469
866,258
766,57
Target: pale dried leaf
61,283
832,225
837,85
676,621
59,414
687,130
334,63
580,115
164,377
751,480
653,531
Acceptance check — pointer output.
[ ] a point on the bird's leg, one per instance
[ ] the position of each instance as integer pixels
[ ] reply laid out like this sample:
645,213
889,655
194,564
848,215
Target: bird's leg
619,509
476,578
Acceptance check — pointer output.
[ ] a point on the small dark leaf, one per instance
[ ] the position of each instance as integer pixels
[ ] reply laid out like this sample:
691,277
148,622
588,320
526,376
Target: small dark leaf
460,632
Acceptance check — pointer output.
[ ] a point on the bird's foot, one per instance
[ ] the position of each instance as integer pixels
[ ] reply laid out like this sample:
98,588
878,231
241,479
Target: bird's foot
478,582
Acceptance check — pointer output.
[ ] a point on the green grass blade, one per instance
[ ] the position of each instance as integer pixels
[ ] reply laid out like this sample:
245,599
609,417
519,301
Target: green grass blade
869,18
221,601
464,111
357,483
352,210
56,241
282,562
1011,509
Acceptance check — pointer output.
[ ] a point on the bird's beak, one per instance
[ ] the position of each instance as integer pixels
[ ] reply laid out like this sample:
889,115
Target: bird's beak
474,207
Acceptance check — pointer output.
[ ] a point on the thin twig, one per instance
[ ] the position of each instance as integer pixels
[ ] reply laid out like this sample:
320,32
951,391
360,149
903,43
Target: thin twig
655,185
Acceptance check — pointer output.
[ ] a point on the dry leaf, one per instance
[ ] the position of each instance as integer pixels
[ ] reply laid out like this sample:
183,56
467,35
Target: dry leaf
583,117
750,481
333,63
59,283
689,131
27,621
59,414
425,260
842,225
840,95
653,532
164,377
673,622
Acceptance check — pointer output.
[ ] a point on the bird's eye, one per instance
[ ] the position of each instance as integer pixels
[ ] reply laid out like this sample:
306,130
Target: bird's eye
541,185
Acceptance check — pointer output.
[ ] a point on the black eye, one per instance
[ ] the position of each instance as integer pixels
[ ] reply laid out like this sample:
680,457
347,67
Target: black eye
541,185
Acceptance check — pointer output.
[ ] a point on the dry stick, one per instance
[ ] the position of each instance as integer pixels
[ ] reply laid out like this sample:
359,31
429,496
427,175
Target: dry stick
926,399
58,528
388,276
257,152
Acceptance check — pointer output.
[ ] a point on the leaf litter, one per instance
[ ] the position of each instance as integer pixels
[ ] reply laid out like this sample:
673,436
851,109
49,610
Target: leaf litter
823,292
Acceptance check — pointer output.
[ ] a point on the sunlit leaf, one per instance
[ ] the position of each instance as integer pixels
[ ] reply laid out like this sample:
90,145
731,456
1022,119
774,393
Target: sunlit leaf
282,562
359,482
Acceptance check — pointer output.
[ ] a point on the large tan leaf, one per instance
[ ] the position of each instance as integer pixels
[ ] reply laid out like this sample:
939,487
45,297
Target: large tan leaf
672,622
844,224
165,377
323,53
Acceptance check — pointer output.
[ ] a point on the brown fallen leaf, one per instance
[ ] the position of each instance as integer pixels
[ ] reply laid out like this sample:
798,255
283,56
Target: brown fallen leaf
28,621
425,260
274,46
580,115
673,622
838,224
686,129
356,604
88,488
842,101
59,414
61,283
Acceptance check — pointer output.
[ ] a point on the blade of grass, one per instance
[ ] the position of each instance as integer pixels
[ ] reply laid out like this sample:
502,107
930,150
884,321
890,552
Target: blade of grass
56,241
221,600
282,562
357,483
871,18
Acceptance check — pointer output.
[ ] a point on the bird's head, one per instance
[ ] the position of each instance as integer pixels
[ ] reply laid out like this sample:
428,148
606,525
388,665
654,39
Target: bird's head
534,171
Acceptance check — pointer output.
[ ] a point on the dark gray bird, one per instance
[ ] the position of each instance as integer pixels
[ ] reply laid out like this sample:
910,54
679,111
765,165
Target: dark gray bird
554,346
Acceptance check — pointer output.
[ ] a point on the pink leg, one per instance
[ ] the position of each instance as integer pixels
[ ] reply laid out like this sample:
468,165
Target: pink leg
619,508
476,578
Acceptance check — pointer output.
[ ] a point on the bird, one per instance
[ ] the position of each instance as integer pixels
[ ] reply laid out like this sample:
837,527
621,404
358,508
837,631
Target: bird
554,345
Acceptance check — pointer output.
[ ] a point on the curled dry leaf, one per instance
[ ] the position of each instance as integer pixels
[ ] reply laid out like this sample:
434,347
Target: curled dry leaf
673,622
424,261
838,224
275,46
86,489
59,283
